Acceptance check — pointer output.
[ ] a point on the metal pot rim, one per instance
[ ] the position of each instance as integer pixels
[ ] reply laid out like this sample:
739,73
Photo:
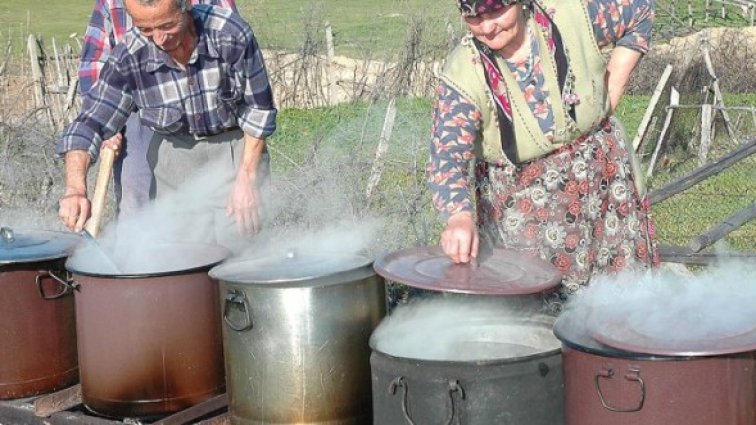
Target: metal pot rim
358,266
49,245
579,339
545,322
216,255
490,362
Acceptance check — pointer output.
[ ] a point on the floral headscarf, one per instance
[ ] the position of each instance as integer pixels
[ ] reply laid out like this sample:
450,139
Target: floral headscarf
477,7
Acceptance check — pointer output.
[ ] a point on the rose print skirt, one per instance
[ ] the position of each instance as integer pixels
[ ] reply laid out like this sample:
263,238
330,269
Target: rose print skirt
577,208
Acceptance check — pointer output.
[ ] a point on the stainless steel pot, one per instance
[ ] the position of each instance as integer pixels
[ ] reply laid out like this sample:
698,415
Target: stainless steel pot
296,338
37,322
149,338
501,370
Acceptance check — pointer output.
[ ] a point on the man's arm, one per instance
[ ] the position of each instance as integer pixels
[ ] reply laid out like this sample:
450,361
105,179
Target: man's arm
74,206
244,203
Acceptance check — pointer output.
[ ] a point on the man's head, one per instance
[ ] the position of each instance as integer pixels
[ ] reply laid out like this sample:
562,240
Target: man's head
164,22
479,7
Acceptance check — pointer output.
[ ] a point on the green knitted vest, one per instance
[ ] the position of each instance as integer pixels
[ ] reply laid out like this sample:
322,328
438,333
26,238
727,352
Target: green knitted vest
464,71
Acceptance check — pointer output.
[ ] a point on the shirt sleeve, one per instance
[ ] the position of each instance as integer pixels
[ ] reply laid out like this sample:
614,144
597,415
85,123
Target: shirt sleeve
105,109
98,42
456,122
257,113
626,23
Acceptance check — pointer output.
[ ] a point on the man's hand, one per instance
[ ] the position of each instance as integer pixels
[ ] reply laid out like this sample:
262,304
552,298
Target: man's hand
115,144
460,240
245,203
74,207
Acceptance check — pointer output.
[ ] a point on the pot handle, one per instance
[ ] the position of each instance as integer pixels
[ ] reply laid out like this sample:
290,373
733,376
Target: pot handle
66,283
399,381
632,375
238,299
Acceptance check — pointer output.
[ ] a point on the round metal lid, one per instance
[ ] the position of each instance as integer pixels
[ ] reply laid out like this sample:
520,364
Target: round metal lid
291,267
496,272
26,246
683,335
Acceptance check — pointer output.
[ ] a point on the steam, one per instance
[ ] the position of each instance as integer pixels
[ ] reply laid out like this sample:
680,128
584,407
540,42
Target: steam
461,328
670,311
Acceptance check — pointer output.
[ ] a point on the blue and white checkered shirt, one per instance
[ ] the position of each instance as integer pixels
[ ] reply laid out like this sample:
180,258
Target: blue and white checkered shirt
224,85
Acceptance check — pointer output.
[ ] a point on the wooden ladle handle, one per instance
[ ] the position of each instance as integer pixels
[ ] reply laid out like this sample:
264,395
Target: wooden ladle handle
104,173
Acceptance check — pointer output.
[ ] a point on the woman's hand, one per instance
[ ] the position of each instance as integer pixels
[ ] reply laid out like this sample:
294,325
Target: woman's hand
460,240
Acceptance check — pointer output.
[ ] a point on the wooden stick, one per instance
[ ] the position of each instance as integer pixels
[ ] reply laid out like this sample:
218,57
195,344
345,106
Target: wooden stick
719,100
703,173
57,401
104,173
651,106
388,126
197,411
724,228
703,151
674,99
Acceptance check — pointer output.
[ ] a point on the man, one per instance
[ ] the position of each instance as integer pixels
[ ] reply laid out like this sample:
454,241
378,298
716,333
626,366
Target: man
196,76
131,172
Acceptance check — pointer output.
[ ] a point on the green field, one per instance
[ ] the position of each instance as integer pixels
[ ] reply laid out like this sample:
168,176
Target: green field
361,27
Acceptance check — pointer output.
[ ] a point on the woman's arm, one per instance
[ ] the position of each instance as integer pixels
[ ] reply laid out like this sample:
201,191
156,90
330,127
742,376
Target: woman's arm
455,127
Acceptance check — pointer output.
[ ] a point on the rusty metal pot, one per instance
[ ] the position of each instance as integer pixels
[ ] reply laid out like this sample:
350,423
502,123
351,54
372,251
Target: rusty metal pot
149,337
606,385
37,322
296,337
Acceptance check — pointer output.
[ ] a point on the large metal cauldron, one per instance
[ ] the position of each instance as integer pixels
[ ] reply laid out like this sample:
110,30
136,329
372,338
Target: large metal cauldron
149,334
37,322
502,370
296,338
605,385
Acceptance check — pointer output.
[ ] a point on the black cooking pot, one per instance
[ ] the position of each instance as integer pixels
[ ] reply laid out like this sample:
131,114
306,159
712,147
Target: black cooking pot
501,370
37,321
606,385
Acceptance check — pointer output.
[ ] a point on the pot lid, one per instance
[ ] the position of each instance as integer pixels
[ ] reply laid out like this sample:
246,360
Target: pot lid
288,267
686,334
26,246
498,271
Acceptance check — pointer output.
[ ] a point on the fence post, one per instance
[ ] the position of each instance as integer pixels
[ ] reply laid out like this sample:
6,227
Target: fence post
380,152
674,100
651,106
331,68
706,123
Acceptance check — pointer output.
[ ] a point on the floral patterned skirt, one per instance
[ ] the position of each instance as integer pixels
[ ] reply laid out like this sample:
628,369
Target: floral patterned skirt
578,208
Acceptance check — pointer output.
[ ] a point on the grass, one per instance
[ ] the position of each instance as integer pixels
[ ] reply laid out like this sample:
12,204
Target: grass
360,26
678,219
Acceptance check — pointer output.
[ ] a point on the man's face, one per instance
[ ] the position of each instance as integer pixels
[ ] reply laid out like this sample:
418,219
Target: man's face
162,22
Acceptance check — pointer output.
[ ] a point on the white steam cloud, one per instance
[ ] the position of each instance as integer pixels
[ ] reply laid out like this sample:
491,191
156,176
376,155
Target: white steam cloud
666,313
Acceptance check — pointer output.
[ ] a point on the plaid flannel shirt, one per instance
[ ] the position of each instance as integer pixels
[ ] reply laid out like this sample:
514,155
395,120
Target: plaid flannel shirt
224,85
107,25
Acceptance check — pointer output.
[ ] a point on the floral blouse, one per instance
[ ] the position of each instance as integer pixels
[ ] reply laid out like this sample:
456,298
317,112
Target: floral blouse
456,120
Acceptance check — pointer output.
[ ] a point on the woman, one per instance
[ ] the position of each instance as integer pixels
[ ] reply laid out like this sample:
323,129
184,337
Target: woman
529,97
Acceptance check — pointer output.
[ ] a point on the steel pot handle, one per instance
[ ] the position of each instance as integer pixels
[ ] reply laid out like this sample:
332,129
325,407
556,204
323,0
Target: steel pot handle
67,283
399,381
238,299
632,375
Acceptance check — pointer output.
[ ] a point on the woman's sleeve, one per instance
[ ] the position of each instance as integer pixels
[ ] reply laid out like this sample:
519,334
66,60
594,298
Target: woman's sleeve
456,122
622,22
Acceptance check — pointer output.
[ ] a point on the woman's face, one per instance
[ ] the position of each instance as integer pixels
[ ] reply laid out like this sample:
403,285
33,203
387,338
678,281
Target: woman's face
500,28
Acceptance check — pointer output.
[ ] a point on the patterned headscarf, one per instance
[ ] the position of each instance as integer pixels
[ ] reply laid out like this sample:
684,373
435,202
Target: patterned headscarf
477,7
